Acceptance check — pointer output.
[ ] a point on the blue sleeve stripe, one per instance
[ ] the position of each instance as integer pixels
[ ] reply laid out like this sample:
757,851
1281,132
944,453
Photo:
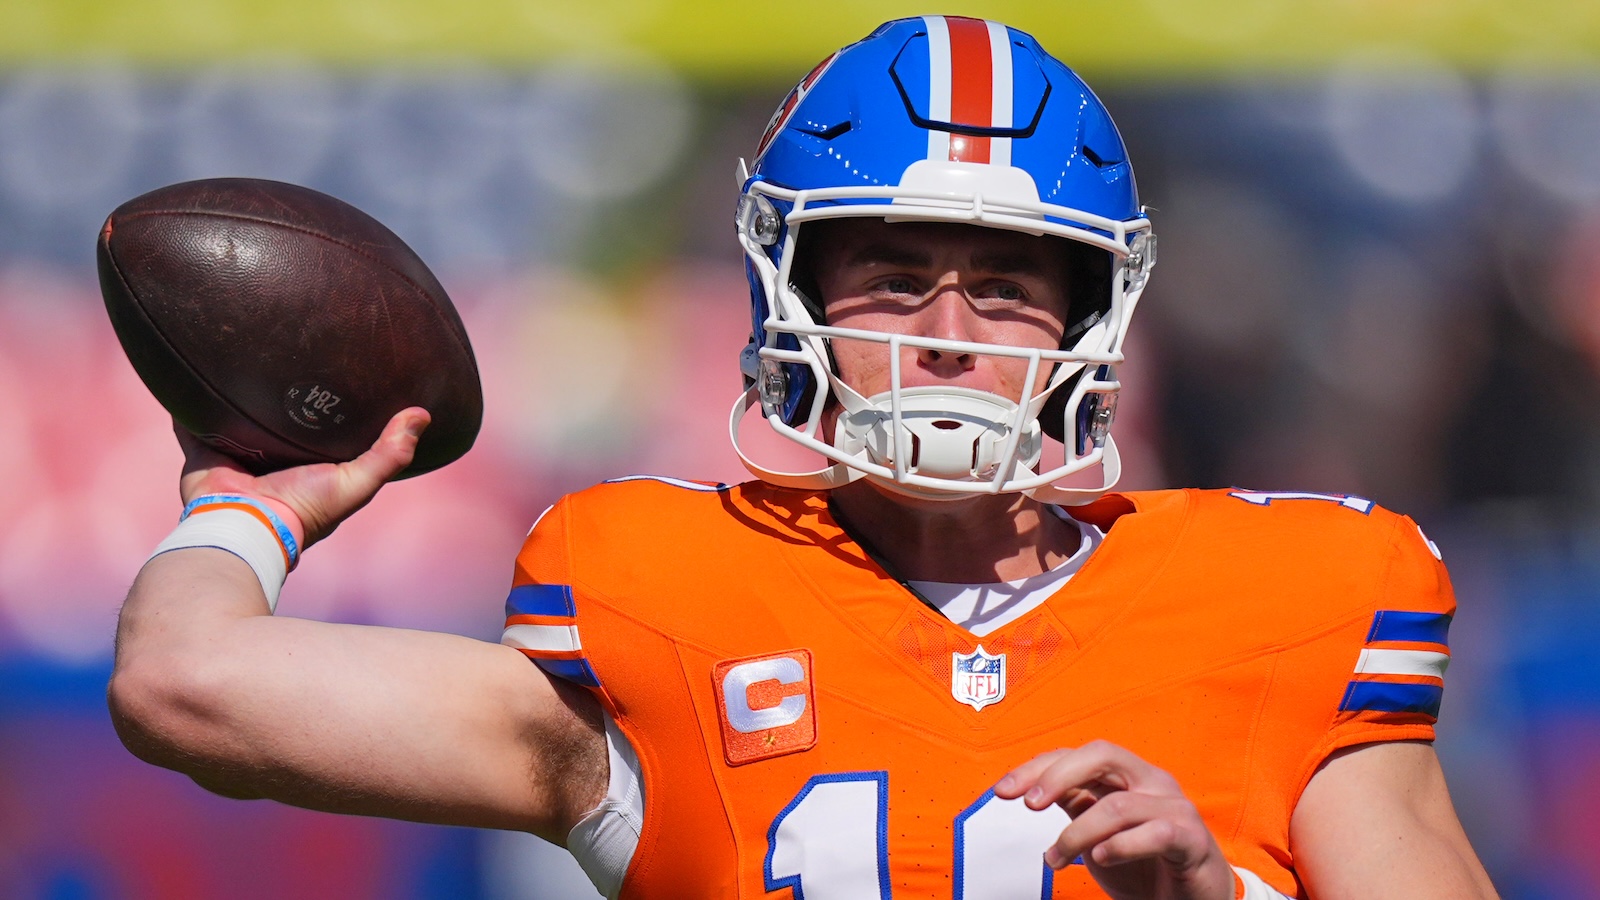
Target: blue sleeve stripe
1399,625
541,600
577,671
1387,696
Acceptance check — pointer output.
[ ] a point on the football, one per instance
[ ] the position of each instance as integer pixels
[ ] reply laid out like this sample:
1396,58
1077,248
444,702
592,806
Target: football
283,326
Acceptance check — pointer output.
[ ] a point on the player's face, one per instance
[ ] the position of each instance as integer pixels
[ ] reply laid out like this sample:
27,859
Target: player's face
948,281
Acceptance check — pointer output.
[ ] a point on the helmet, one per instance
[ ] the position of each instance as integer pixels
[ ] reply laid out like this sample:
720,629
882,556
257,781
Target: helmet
941,119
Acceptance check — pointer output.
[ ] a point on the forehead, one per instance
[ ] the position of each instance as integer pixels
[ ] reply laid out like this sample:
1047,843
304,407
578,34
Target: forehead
843,243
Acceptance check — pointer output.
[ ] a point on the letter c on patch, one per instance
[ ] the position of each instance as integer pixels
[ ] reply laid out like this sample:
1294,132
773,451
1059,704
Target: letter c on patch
736,693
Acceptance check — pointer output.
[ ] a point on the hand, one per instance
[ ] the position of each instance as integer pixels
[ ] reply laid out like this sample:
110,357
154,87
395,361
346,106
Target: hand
1139,836
312,500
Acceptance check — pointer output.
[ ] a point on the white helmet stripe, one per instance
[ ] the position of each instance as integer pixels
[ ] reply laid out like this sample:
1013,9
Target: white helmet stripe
1000,55
938,85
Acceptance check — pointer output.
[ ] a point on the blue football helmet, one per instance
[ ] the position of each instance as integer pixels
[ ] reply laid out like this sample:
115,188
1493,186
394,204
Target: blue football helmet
941,119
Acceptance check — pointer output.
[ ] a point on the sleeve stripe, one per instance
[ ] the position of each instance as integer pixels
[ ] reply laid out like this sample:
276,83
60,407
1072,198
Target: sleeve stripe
1402,662
542,637
1384,696
538,620
577,671
541,600
1408,645
537,655
1401,625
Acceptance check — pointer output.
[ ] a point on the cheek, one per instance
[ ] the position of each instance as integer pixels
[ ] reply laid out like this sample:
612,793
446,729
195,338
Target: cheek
863,365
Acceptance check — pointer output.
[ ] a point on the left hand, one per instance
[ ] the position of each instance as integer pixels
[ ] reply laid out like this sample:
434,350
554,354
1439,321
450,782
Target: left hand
1139,836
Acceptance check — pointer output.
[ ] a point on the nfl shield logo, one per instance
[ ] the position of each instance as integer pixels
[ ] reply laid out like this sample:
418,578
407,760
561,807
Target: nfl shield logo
978,678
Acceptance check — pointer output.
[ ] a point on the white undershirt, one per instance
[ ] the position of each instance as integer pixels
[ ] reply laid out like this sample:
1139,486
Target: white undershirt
605,840
982,608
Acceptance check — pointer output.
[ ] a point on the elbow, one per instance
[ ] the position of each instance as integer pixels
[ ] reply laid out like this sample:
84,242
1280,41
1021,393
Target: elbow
168,717
163,713
144,706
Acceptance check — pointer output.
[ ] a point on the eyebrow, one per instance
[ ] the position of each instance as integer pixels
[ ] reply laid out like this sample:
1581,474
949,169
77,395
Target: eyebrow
898,255
1002,262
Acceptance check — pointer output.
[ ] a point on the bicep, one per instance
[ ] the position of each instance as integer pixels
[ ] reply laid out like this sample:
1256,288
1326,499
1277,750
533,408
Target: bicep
1376,821
358,719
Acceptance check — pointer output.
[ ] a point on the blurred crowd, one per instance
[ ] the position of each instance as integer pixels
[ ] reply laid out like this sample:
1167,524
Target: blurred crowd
1383,279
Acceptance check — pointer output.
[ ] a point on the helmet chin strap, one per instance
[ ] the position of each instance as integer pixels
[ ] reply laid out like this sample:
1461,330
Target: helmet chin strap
956,434
840,474
824,479
1110,472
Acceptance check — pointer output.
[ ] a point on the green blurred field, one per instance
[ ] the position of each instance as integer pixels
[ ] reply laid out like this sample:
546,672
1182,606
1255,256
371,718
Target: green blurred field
723,38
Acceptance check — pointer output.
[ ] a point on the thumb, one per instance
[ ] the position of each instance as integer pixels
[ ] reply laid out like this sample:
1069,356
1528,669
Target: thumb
388,456
323,495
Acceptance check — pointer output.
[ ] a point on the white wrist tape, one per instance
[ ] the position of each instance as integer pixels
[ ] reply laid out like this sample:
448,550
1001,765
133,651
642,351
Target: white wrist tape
243,526
1255,888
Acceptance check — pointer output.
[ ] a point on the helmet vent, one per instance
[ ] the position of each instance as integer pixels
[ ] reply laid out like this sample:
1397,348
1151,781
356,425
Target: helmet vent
1091,156
831,132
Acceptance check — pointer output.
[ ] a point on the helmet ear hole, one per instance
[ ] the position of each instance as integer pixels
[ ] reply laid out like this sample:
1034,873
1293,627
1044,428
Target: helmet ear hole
1089,288
1053,415
803,271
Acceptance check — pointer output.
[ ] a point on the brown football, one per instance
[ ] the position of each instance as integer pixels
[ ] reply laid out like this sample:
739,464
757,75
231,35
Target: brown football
283,326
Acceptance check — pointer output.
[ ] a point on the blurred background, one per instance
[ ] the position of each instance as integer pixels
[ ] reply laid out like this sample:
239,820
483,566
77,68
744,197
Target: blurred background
1380,274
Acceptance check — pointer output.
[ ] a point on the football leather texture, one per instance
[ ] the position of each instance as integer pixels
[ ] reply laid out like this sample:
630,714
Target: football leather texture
283,326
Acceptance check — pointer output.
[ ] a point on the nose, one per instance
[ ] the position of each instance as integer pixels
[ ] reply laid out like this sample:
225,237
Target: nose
946,315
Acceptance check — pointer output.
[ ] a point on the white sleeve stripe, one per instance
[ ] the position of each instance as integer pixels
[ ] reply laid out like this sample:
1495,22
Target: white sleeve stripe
542,637
1402,662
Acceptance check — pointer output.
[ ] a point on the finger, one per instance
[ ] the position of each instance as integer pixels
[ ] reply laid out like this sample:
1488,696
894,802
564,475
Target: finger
1096,766
1121,812
1017,781
1180,847
387,457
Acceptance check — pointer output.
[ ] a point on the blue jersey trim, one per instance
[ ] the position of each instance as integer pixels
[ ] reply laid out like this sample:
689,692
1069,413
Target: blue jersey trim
1400,625
577,671
1388,696
959,876
541,600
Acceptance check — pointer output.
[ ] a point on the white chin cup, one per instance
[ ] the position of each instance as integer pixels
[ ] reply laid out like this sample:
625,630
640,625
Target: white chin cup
951,433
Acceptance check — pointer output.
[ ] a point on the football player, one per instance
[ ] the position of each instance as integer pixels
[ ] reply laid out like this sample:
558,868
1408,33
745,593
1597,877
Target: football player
942,664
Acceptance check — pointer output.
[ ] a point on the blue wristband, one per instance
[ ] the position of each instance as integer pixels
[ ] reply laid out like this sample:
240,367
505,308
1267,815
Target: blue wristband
291,548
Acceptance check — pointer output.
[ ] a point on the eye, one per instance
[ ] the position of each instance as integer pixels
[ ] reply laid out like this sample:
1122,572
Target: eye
896,284
1003,293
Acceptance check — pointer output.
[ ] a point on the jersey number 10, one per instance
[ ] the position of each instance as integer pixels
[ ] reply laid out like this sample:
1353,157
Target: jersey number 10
832,841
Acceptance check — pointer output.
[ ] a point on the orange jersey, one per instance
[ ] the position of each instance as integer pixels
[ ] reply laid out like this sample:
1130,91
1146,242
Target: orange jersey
806,727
